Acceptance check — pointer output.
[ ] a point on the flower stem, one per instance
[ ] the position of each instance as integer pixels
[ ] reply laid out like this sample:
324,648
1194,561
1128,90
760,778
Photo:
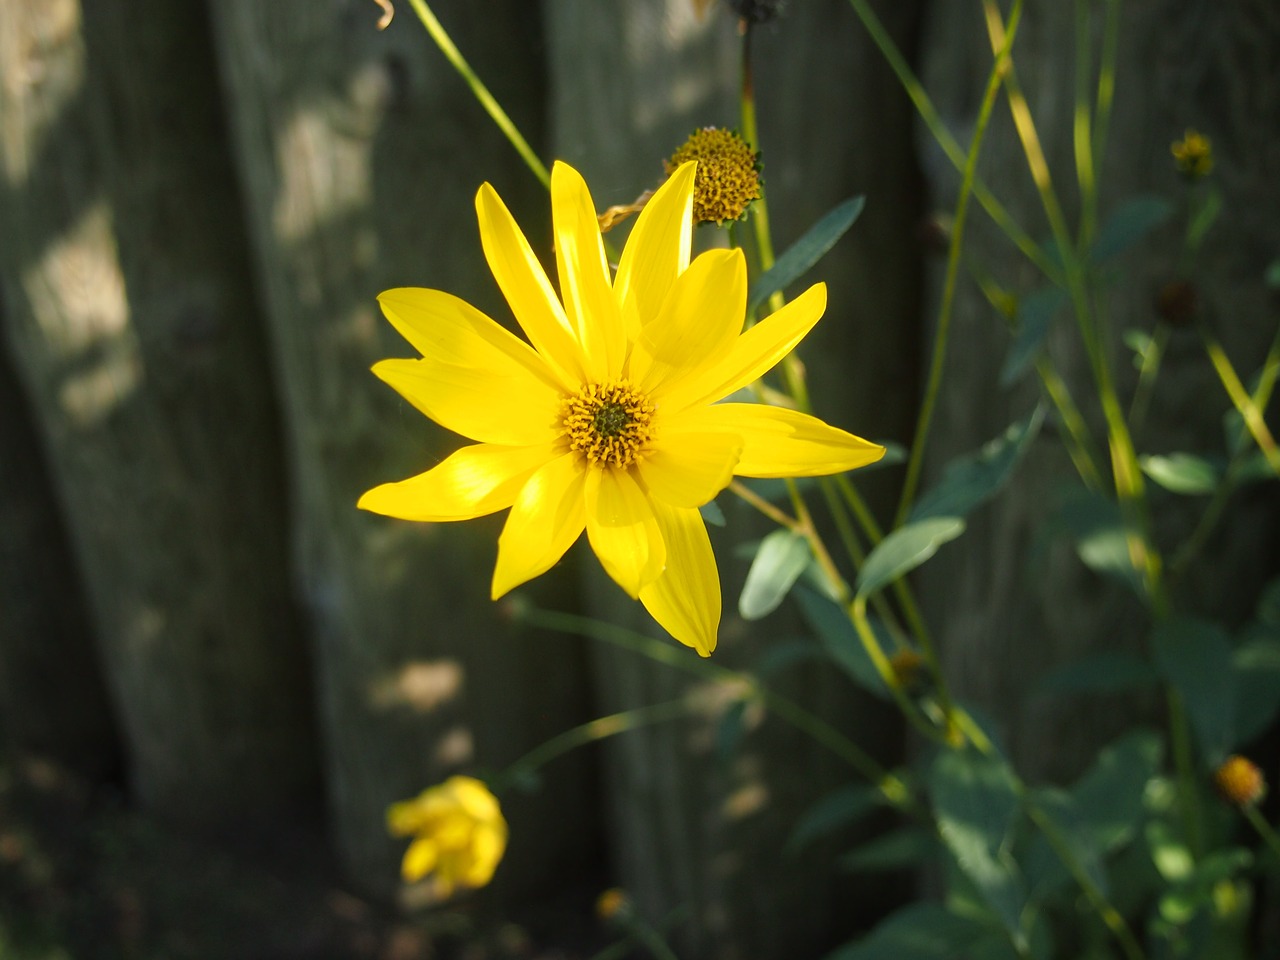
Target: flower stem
934,383
891,787
933,121
1243,402
480,91
1265,830
599,729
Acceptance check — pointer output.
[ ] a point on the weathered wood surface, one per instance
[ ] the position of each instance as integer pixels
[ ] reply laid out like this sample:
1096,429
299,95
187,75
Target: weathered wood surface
53,703
130,318
629,84
361,154
1006,609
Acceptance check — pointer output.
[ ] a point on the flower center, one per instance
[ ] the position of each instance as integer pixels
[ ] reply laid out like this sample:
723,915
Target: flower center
609,423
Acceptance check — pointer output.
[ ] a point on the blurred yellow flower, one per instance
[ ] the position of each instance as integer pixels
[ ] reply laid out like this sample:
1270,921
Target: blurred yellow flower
608,423
460,834
1239,781
1193,154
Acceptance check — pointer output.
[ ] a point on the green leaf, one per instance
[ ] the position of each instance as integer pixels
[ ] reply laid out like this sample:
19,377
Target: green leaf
1195,657
1269,603
1109,798
1272,277
1205,215
1130,223
842,808
1045,870
895,850
975,804
1257,682
1141,343
1182,473
1096,525
779,656
778,563
833,627
730,730
905,549
712,513
1035,316
1111,671
805,252
919,931
969,481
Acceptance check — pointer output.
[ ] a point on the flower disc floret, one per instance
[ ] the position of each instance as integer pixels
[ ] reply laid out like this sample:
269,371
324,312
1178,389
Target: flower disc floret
610,424
728,173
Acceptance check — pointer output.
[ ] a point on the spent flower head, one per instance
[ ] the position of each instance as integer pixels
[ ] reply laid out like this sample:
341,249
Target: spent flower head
459,834
1239,781
728,176
1193,154
607,420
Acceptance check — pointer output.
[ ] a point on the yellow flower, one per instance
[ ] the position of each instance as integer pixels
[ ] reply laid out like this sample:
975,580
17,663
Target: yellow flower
460,834
608,422
1193,154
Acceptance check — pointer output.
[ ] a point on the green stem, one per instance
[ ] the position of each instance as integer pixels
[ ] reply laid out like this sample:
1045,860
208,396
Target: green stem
1243,402
1147,376
480,91
1106,81
1265,830
933,121
1108,913
1082,133
934,382
599,729
1184,765
890,786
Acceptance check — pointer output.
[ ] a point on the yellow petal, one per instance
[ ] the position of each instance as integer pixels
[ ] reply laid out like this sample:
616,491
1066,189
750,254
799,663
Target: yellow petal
752,354
475,378
498,405
685,600
778,442
546,518
699,321
688,469
525,285
622,529
585,285
420,859
471,482
657,250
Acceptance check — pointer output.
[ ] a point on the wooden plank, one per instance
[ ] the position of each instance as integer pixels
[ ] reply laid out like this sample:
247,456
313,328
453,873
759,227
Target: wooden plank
131,321
361,153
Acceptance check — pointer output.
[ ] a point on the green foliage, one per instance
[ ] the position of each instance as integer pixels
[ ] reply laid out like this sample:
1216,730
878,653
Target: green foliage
781,558
904,550
841,640
1183,473
922,931
836,811
1033,322
1195,657
805,252
1131,223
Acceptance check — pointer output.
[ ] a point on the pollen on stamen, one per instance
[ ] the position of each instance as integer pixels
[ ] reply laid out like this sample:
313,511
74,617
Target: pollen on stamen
610,424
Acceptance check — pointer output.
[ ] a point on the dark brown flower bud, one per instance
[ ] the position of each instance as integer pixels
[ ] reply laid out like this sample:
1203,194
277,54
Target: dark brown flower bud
1178,303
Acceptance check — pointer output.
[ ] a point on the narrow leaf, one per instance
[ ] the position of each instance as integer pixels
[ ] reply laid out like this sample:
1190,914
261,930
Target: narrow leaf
778,563
805,252
975,804
1195,657
920,931
1182,473
830,622
969,481
842,808
1129,224
905,549
895,850
1035,316
1109,798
